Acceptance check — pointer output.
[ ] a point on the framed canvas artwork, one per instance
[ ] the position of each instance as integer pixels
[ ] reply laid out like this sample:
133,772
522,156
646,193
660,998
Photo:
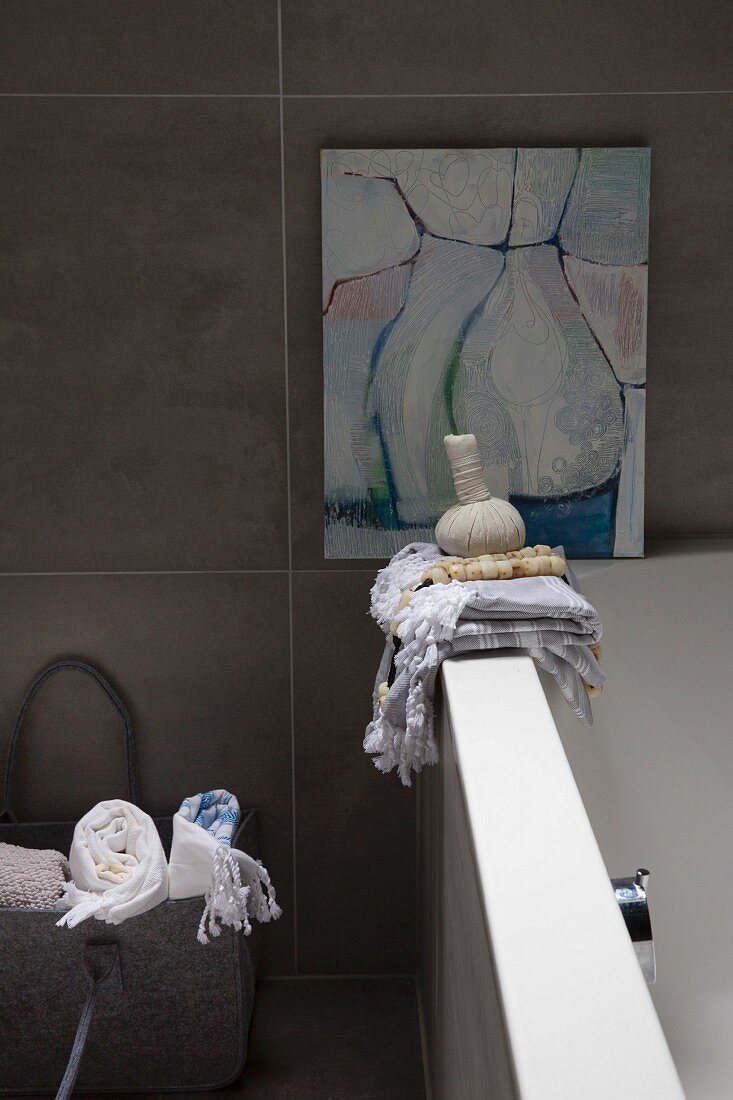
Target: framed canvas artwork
495,291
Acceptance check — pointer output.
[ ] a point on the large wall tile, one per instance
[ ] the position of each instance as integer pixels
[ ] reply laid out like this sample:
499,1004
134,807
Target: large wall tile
138,47
690,404
355,828
202,662
142,412
479,47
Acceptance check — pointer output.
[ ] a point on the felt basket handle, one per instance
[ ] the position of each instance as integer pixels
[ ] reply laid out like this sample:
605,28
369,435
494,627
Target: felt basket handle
101,962
52,670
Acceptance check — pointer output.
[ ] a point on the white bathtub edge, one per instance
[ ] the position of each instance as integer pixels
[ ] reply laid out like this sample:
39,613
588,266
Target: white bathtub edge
580,1019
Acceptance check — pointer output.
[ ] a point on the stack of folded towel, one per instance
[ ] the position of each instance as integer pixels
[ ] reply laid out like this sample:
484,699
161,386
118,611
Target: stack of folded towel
545,615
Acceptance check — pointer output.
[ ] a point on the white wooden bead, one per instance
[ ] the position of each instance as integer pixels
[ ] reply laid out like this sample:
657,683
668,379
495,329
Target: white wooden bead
557,565
438,575
489,570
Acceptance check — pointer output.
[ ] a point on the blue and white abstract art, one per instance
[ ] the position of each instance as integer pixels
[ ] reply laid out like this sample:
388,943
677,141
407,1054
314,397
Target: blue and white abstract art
496,291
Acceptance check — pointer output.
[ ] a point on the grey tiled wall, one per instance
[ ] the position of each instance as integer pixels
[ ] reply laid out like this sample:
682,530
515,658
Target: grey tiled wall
160,395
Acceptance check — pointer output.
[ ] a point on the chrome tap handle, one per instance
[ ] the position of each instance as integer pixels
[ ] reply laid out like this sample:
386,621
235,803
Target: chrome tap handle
631,895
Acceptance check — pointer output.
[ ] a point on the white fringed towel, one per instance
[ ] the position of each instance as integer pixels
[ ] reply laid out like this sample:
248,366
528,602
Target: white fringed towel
544,615
203,863
117,865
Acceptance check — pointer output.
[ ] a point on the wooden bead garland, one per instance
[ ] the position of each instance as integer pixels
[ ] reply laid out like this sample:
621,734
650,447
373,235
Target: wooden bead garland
530,561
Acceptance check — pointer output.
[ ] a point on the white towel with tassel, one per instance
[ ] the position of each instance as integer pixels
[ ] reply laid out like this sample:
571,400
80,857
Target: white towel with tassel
235,887
117,865
546,616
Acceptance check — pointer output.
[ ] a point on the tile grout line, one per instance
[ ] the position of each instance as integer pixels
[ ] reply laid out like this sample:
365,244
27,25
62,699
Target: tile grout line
354,95
281,113
198,572
139,572
138,95
336,977
652,542
493,95
424,1044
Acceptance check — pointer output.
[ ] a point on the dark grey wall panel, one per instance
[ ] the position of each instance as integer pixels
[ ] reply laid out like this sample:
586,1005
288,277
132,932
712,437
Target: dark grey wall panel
142,412
201,661
690,391
142,403
355,828
539,46
138,47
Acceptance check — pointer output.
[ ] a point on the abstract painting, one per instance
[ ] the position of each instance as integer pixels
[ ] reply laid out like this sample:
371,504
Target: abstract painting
501,292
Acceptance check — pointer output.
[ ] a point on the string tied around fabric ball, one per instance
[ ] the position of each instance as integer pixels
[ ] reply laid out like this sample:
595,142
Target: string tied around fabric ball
480,523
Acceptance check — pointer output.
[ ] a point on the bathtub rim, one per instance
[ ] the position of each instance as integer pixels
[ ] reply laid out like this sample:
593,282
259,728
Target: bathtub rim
576,1008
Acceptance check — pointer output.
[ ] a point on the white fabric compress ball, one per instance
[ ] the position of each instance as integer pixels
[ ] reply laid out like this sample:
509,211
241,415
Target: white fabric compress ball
479,523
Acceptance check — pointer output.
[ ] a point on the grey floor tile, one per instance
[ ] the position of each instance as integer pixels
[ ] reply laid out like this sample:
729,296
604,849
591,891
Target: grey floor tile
343,1039
202,662
539,47
691,260
355,828
141,47
142,418
328,1039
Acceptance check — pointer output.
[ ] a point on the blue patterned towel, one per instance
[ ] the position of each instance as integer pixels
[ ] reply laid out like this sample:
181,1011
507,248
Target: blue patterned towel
203,863
215,811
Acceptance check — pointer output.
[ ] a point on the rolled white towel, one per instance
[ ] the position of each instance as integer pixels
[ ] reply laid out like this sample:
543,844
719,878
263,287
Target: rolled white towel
117,865
202,863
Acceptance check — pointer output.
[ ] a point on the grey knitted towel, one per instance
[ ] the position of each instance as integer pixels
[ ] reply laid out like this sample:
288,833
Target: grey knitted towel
544,615
31,878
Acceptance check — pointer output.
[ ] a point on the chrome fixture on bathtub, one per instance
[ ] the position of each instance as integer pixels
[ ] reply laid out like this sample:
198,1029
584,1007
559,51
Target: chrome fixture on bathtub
631,897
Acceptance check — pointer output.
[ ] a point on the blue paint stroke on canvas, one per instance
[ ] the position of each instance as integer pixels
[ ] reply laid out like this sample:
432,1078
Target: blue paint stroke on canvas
495,291
583,525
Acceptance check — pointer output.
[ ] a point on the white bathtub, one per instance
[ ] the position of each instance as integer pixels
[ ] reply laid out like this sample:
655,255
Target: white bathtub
530,989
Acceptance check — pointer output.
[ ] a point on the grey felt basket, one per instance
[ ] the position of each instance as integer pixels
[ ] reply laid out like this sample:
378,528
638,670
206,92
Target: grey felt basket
136,1007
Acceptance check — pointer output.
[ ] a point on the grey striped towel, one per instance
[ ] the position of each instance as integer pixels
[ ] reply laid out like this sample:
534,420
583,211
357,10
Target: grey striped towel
546,616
